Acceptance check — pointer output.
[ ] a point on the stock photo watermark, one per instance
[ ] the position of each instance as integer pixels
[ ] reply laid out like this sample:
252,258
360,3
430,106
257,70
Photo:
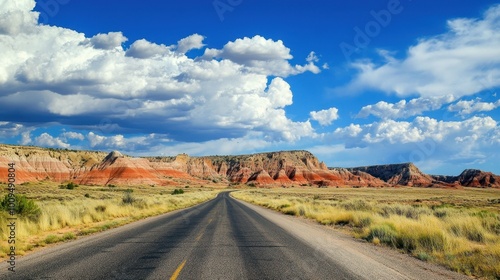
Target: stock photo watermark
223,6
11,220
363,36
423,151
49,9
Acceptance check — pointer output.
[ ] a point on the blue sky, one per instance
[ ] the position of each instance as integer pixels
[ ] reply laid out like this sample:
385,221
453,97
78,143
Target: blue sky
354,82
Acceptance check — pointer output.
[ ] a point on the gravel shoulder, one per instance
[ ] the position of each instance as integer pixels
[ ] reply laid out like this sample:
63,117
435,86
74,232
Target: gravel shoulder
361,258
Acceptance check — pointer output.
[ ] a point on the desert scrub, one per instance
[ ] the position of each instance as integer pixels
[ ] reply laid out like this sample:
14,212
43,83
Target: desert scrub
69,186
22,206
64,220
177,191
464,239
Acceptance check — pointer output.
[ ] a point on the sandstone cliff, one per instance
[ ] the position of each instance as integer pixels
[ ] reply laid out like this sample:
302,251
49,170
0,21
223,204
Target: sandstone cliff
472,178
284,168
405,174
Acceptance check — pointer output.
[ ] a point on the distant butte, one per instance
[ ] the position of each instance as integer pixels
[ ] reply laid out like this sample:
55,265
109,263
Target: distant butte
283,168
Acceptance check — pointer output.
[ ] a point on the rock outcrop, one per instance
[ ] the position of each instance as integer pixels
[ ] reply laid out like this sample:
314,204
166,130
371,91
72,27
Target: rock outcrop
472,178
405,174
284,168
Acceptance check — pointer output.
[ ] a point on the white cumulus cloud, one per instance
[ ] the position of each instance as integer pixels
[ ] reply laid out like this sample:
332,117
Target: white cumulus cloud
93,83
263,56
463,61
325,117
421,128
108,41
46,140
194,41
464,107
404,109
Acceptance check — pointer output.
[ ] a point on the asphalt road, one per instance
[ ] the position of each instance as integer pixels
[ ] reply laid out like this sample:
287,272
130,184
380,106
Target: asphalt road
220,239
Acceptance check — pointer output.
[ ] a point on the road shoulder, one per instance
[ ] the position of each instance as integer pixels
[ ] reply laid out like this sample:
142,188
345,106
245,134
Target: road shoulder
360,257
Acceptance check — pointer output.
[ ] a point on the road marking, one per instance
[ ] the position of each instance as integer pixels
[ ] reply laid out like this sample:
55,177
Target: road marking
181,266
178,271
203,231
199,236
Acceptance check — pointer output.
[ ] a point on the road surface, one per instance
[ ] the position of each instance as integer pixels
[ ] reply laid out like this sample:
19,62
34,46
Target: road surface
221,239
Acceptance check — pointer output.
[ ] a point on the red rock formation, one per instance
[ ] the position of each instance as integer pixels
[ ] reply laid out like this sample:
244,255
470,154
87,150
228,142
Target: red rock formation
281,178
241,176
37,164
405,174
275,168
472,178
120,170
261,177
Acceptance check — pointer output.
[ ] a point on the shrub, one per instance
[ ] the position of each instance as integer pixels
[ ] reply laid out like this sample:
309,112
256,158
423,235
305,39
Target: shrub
178,191
128,198
22,206
423,256
87,195
432,241
385,233
357,205
411,212
469,229
69,186
51,239
363,221
100,208
68,236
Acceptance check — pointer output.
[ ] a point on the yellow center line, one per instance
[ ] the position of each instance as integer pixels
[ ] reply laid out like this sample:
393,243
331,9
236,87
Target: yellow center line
203,231
181,266
199,236
178,271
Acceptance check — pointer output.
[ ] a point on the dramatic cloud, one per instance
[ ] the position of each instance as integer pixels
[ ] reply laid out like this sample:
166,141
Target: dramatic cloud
404,109
429,143
8,129
420,129
472,106
94,84
325,117
14,18
263,56
463,61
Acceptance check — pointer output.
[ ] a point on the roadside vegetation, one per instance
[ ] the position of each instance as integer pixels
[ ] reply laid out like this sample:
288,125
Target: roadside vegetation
47,213
459,229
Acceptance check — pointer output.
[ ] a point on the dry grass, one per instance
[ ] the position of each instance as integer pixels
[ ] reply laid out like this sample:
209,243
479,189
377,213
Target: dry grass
459,229
66,214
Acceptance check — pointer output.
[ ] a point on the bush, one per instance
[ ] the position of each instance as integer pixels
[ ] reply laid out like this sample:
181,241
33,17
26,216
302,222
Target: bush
357,205
22,206
51,239
128,198
100,208
178,191
69,186
385,233
68,236
87,195
408,211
